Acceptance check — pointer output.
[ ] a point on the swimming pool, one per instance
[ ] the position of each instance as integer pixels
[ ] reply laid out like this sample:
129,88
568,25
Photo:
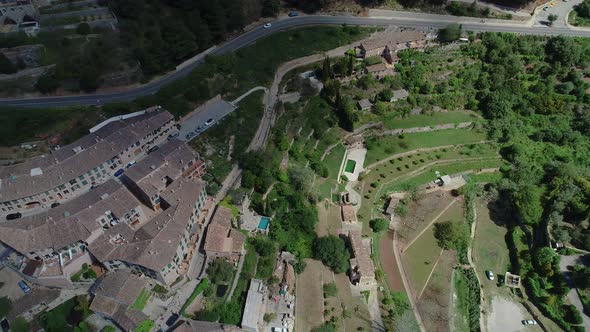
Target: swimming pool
263,223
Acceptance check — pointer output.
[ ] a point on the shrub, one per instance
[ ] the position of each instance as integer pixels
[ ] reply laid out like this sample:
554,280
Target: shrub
378,225
330,290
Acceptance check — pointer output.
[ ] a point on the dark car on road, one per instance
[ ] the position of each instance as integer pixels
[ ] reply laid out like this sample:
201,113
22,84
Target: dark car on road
13,216
172,319
119,172
54,205
293,14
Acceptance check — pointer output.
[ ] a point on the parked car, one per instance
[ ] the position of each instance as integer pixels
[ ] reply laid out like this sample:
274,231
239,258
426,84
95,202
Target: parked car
4,325
131,163
153,148
529,322
209,122
546,8
119,172
13,216
171,136
54,205
190,135
293,14
24,287
267,25
490,275
199,129
172,319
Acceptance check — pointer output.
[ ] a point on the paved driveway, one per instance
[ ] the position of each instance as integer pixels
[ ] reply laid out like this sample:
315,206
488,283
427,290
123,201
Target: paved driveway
560,8
507,316
214,109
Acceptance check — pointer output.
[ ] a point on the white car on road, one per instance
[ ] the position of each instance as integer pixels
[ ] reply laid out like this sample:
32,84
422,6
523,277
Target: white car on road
267,25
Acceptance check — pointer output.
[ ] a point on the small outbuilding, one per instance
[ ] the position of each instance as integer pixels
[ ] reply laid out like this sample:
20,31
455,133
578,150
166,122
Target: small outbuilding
400,94
364,104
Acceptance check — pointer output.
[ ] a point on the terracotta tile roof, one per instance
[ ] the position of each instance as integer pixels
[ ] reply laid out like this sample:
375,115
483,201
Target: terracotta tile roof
73,160
223,216
361,253
392,39
70,222
348,213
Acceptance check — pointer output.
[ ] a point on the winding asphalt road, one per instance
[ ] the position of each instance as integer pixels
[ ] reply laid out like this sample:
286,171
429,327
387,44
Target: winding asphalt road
429,21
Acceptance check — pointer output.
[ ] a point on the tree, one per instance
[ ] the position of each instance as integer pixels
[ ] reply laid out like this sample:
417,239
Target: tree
220,271
583,9
451,234
562,49
270,8
263,245
5,306
326,69
378,225
6,66
83,29
20,325
47,83
552,18
332,252
89,79
545,259
451,33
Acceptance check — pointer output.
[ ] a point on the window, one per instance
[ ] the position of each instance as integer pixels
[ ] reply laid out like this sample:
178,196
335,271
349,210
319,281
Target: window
73,182
84,183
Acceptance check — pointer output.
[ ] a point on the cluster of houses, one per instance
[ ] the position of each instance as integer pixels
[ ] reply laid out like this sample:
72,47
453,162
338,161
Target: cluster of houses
127,198
18,15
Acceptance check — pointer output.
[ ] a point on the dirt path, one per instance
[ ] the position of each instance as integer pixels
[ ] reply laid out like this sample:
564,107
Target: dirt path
482,317
389,263
431,273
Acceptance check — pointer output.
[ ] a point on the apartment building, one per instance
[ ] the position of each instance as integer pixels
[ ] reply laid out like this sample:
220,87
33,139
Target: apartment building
171,161
112,225
17,11
76,168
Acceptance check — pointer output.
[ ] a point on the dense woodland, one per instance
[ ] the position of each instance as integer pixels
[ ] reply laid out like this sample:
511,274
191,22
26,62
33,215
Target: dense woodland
162,33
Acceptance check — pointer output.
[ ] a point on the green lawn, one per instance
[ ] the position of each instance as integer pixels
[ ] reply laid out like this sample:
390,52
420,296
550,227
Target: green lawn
66,316
145,326
428,175
141,300
227,203
381,147
424,120
333,160
486,177
420,257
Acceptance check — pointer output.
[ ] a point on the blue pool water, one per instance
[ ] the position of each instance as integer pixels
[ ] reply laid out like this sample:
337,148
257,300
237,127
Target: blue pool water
263,224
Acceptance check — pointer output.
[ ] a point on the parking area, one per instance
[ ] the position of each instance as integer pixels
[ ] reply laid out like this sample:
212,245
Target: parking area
9,280
204,117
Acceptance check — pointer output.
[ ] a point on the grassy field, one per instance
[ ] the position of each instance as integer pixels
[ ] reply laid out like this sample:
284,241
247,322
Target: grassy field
310,300
333,160
490,251
420,256
415,169
425,120
385,146
434,302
